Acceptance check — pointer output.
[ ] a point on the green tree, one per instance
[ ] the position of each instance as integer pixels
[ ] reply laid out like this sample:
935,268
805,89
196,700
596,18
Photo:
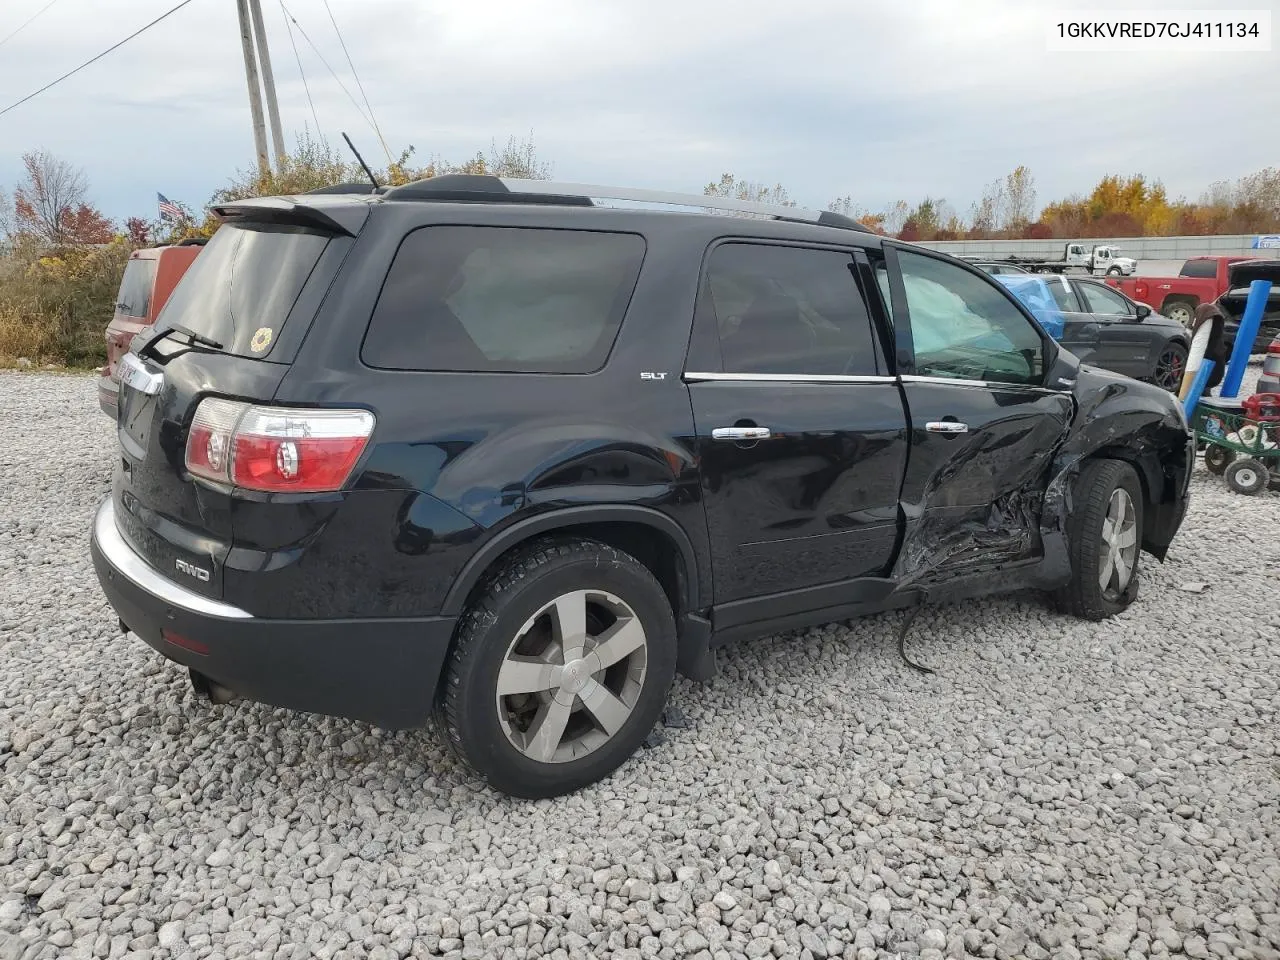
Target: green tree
1019,196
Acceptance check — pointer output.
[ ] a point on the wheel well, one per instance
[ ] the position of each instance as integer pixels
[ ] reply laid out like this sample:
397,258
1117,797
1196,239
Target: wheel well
653,548
1181,298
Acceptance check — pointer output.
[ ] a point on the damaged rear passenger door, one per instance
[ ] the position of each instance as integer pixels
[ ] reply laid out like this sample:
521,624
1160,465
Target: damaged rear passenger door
984,428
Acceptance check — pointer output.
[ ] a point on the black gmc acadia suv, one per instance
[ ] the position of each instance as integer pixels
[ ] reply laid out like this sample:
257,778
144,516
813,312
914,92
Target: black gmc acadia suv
501,453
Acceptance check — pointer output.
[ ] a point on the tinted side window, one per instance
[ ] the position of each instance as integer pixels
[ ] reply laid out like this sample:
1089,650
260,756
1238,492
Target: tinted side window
1199,268
1103,300
1062,295
964,327
789,310
134,299
503,299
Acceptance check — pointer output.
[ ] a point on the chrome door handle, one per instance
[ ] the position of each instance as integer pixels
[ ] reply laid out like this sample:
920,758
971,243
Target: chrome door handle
741,433
946,426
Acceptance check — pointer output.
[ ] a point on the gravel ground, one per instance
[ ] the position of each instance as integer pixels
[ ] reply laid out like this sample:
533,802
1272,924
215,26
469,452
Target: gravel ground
1058,789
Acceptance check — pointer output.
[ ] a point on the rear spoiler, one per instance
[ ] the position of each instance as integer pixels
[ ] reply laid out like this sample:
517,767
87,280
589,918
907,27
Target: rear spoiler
343,217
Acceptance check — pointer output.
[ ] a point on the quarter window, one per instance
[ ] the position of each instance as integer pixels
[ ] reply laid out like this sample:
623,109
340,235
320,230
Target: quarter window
503,299
788,310
964,327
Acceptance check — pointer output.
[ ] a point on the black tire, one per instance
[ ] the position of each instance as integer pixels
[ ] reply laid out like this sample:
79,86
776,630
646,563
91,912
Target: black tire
1247,476
1171,364
1217,458
1092,492
477,725
1184,311
1115,272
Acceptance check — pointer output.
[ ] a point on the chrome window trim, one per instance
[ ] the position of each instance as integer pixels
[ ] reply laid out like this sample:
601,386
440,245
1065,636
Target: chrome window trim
952,381
125,561
700,377
695,376
988,384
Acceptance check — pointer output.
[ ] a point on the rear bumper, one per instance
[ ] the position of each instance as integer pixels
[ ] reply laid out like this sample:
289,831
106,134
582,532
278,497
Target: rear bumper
383,671
108,395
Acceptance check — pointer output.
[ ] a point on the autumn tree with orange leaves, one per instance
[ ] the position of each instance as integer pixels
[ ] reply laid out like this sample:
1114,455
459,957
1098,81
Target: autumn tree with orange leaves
50,204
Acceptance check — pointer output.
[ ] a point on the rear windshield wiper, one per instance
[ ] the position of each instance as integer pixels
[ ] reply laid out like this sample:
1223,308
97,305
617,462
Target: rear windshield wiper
194,337
149,348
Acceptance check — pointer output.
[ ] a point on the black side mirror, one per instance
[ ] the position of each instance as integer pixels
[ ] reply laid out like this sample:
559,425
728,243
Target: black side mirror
1143,311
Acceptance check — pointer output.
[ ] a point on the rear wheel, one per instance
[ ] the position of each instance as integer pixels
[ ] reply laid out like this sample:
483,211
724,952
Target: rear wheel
1247,476
1170,366
1104,533
560,669
1217,458
1181,310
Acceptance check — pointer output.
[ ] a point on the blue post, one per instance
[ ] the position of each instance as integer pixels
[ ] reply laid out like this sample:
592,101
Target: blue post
1254,307
1197,388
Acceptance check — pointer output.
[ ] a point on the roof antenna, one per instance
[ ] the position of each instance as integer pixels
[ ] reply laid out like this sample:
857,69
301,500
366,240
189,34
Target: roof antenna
372,178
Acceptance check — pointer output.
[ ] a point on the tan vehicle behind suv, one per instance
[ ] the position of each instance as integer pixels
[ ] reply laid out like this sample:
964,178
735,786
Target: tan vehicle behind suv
149,279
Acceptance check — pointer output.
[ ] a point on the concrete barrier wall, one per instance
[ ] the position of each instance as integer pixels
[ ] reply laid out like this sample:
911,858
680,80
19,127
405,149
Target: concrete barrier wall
1140,248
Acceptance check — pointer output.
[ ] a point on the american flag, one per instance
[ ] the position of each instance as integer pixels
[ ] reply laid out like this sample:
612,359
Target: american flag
169,210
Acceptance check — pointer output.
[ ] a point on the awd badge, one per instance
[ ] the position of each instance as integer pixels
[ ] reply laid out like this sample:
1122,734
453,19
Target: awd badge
261,339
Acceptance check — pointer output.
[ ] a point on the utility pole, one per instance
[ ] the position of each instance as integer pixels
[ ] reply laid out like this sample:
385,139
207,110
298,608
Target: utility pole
268,81
255,96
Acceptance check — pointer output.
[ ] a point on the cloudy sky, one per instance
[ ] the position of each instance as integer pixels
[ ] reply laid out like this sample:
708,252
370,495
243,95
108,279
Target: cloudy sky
878,100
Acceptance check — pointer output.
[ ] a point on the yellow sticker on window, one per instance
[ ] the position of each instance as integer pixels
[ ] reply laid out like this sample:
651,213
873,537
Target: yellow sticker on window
261,339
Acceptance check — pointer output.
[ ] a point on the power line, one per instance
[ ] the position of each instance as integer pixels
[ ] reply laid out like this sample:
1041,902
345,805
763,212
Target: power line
356,103
116,46
358,83
26,22
302,73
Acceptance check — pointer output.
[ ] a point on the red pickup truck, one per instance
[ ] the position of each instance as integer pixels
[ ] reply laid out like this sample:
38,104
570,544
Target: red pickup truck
1201,280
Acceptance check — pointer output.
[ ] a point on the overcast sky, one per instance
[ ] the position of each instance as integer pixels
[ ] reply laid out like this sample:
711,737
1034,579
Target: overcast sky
879,100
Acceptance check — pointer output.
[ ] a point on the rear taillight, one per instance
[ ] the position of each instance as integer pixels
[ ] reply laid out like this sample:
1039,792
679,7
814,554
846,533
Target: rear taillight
275,449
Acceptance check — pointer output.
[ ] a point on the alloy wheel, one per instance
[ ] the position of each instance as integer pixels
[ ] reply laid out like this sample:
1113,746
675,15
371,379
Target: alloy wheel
1169,370
572,676
1118,551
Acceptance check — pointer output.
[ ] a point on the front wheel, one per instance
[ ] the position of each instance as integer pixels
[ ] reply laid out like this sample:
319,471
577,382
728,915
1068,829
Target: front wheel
1104,534
1247,476
1115,272
560,669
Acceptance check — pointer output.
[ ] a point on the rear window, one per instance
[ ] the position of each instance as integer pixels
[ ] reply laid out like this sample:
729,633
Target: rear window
517,300
1199,268
134,299
240,289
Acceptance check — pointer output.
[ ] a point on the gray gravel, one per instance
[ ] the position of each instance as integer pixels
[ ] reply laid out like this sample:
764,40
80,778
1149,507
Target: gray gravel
1058,789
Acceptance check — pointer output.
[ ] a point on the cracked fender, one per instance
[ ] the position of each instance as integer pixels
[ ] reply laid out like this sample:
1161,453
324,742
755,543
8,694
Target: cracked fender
1139,423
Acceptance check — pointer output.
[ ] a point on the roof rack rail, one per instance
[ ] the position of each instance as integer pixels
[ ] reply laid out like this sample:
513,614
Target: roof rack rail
356,187
825,218
488,189
478,188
